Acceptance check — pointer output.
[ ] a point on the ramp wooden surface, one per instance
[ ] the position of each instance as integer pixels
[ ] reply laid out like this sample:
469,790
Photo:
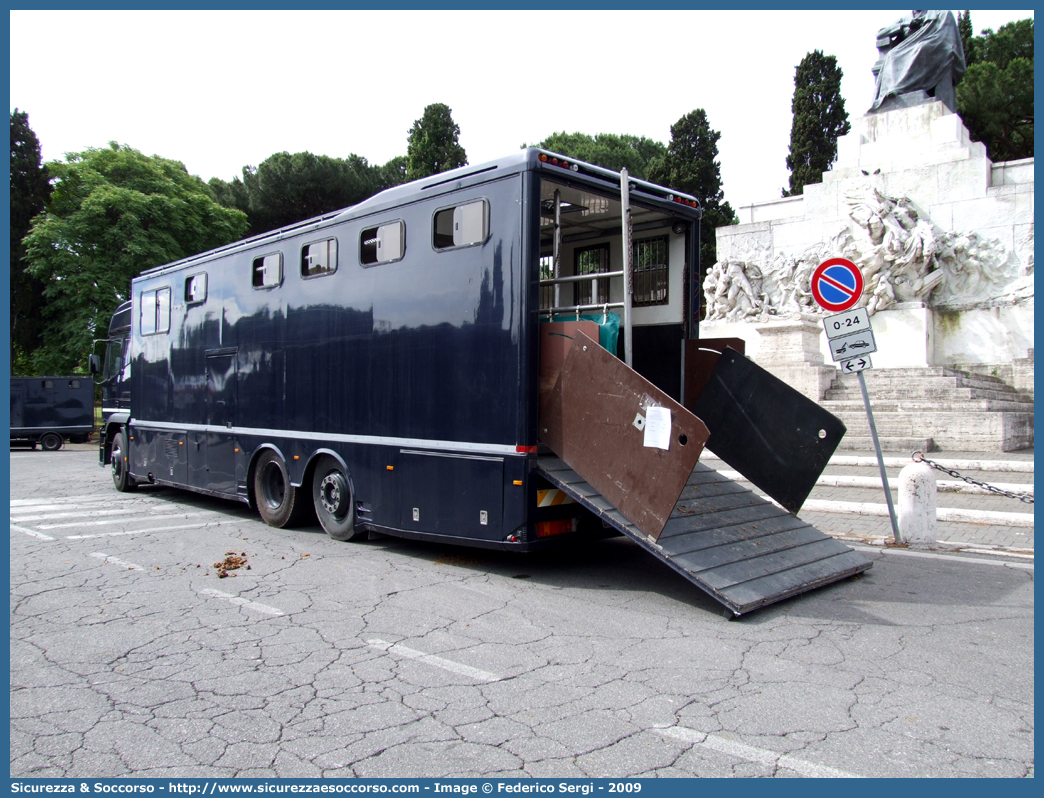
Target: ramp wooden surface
593,419
741,549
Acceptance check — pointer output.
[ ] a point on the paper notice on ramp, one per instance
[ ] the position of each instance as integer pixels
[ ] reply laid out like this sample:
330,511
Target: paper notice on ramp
658,428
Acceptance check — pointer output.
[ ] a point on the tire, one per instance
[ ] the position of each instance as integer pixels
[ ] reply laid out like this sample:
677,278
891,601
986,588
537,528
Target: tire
278,501
121,478
51,442
334,501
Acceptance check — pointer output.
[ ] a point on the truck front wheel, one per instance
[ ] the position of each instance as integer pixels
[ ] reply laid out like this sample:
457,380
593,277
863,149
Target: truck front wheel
121,477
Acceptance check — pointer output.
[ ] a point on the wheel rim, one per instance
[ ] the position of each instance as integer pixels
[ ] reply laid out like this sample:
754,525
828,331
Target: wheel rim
273,485
117,460
333,494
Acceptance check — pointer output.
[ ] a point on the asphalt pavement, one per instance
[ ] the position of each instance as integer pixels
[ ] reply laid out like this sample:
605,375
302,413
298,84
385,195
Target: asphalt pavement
132,656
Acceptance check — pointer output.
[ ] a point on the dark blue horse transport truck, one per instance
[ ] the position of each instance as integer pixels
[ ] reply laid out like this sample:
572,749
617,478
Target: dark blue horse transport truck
505,355
51,410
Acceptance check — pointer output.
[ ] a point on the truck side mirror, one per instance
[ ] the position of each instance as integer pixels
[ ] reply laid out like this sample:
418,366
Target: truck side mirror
94,364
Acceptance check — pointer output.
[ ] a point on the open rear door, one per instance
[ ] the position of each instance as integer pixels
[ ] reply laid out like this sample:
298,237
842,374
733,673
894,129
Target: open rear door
744,551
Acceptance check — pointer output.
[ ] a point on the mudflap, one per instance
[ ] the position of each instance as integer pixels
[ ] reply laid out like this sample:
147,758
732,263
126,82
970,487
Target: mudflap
775,436
740,549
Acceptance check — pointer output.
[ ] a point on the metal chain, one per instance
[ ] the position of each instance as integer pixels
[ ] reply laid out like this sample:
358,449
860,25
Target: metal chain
918,457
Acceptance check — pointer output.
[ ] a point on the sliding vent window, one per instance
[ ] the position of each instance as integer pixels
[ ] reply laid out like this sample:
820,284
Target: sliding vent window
155,311
319,258
268,270
462,226
196,288
383,244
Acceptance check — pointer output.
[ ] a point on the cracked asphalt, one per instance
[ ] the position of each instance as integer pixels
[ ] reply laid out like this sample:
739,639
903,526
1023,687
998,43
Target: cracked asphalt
392,658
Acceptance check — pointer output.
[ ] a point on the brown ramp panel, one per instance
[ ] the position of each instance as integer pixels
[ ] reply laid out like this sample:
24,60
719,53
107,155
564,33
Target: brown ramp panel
742,550
594,419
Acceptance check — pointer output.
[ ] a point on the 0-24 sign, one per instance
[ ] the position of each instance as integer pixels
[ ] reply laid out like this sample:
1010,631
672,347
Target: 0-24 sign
852,321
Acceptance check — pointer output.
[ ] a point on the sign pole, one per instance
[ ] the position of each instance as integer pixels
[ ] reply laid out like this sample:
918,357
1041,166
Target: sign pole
837,286
880,458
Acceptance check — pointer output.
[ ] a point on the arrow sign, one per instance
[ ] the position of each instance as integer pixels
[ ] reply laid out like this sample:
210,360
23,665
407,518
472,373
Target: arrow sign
837,284
856,364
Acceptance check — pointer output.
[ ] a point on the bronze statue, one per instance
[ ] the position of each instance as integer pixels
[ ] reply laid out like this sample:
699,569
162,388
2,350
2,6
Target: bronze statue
921,52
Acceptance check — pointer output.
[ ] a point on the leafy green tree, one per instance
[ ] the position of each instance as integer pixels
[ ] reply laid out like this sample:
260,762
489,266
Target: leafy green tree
819,120
691,165
433,145
609,150
394,172
113,213
995,97
30,190
286,188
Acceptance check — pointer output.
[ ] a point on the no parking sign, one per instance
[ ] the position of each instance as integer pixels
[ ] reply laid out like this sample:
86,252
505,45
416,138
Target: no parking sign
837,284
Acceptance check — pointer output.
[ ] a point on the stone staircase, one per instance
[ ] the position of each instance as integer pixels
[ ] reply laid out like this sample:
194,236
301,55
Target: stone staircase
934,408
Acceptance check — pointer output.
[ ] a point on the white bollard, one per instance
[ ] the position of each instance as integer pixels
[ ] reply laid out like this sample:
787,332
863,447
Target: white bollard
917,503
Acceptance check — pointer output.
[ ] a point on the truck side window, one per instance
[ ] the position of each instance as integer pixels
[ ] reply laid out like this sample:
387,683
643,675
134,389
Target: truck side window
461,226
267,271
148,312
319,258
196,288
155,311
163,310
114,358
382,244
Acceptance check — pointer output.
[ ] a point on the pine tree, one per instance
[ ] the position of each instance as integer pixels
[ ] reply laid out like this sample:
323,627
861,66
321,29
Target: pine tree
995,96
964,27
691,165
819,120
30,190
433,145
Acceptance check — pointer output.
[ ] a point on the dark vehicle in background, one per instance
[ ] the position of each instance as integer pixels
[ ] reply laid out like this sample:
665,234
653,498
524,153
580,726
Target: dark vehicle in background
51,410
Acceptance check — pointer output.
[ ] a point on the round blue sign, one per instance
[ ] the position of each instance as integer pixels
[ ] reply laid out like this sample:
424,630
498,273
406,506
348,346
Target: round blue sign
837,284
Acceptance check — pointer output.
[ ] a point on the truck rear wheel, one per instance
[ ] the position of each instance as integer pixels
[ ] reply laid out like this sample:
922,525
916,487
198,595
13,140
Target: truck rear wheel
51,442
278,501
121,477
334,501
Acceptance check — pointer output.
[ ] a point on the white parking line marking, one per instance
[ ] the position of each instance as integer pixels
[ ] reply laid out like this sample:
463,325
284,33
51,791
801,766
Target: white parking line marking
438,662
61,501
752,754
932,555
82,512
114,561
203,525
110,522
31,532
242,602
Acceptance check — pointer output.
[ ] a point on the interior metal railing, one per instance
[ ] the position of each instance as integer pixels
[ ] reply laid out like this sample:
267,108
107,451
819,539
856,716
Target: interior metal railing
556,280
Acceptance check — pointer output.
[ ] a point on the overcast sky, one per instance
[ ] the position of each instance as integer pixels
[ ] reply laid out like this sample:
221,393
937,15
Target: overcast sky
221,90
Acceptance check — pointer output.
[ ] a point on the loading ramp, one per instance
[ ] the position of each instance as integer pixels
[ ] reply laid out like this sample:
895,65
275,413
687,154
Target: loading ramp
742,550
